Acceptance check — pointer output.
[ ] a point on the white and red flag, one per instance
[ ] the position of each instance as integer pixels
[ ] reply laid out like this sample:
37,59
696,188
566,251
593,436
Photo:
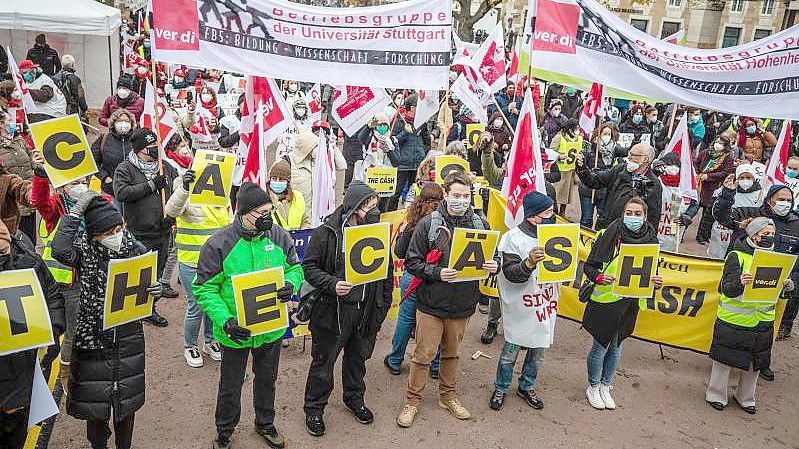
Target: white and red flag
680,145
426,107
27,99
592,109
154,107
775,170
490,61
315,103
323,202
265,116
525,172
513,70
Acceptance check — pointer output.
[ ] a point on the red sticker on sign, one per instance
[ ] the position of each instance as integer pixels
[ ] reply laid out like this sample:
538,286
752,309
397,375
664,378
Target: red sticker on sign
556,26
176,25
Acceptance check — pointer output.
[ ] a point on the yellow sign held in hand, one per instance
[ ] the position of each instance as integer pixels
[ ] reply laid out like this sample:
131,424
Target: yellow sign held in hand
213,178
126,295
473,131
635,266
257,305
367,250
559,242
470,249
770,269
447,163
66,152
24,318
382,179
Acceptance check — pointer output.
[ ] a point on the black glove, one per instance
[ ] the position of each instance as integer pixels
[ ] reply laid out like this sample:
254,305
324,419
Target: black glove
40,171
235,332
188,177
285,292
159,182
685,220
658,166
83,202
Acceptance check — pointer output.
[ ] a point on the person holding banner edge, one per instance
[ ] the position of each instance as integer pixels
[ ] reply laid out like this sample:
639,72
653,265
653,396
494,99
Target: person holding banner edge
346,318
102,361
251,243
610,318
744,330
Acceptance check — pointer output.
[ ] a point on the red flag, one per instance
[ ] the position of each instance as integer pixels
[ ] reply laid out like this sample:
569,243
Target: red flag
775,170
525,169
592,108
680,145
265,116
513,70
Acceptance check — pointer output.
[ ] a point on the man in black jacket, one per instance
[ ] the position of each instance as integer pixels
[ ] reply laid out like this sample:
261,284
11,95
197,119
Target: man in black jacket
443,306
778,205
346,317
17,369
624,182
137,185
46,57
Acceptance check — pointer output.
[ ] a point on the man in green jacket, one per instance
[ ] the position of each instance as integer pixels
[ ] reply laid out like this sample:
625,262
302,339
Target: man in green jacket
249,244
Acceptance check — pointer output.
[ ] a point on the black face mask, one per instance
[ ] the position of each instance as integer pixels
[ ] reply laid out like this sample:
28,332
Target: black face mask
152,152
373,216
766,241
550,220
264,223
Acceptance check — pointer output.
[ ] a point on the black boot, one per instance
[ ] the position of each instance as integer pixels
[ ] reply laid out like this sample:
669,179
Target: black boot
156,319
489,334
315,424
767,374
784,332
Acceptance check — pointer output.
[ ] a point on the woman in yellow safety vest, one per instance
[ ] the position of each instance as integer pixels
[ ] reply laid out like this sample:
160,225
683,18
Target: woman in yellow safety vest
568,143
195,225
610,318
289,204
743,333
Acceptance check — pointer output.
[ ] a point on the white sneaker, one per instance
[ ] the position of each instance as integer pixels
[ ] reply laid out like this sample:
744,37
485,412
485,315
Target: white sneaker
604,393
193,357
213,350
594,398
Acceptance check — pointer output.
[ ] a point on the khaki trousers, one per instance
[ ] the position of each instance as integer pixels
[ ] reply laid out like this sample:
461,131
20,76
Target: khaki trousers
432,332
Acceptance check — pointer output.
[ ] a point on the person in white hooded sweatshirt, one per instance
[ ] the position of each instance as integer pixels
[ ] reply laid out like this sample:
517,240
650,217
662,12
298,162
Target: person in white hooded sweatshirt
529,309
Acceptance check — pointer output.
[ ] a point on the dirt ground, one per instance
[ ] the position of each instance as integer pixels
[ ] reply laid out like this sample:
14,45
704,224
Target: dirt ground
660,401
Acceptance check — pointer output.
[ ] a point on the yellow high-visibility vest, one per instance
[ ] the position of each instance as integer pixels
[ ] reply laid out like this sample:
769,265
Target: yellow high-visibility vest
191,237
62,273
296,212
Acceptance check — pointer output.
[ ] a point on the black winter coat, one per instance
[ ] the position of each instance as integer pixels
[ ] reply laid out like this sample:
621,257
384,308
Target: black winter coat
16,370
737,346
144,212
411,148
323,266
619,184
46,57
433,296
109,155
589,150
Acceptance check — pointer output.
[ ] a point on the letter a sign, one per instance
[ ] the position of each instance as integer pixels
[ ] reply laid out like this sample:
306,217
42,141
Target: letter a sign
257,306
24,319
64,148
213,178
470,249
366,252
126,296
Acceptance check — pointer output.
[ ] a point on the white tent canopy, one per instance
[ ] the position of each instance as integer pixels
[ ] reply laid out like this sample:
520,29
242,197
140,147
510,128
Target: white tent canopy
86,29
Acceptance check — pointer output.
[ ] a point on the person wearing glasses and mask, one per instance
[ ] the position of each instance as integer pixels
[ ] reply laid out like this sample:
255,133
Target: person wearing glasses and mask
250,243
346,317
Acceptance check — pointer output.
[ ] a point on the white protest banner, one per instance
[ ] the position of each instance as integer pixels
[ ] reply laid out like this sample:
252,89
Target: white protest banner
583,39
399,45
353,106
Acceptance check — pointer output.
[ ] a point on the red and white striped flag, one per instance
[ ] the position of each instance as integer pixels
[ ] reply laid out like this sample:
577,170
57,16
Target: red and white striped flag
775,170
525,169
680,145
323,202
592,109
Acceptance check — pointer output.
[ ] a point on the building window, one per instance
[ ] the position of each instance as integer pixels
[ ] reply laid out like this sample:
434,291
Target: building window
669,28
768,8
675,3
737,5
760,34
641,24
732,36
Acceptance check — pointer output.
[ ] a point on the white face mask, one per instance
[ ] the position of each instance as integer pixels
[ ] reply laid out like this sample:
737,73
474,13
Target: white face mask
77,191
605,139
746,184
497,123
556,113
178,79
718,146
293,87
299,112
782,208
113,242
123,93
122,127
398,101
672,170
458,206
207,98
632,166
16,95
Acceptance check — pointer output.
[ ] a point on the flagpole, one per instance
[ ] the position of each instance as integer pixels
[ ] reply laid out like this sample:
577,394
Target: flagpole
596,162
673,115
156,129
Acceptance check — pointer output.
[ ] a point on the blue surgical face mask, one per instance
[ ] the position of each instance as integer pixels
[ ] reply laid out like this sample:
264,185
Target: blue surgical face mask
12,128
637,118
28,77
633,223
751,129
278,186
791,173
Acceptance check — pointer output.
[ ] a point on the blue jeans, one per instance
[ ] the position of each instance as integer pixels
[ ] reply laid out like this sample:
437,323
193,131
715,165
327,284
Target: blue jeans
587,210
602,362
406,320
507,359
194,314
